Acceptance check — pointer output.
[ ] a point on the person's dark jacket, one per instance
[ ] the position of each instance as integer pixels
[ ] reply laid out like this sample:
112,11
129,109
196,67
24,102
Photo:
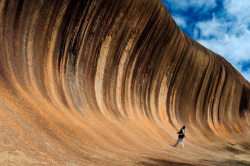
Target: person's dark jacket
181,134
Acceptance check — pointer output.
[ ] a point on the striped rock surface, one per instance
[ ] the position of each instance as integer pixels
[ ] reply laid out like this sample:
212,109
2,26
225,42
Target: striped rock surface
110,82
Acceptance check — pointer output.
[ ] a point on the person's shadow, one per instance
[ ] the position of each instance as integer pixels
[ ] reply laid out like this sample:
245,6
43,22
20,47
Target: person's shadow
161,162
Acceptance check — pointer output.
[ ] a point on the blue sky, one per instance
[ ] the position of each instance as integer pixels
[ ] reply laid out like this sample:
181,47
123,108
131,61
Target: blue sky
222,26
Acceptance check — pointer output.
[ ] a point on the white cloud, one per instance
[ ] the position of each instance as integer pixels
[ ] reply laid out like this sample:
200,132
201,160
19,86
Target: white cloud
229,39
180,21
197,4
240,9
211,27
234,49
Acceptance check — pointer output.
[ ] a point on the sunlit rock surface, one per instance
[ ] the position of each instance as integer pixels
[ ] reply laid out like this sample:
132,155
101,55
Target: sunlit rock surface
110,82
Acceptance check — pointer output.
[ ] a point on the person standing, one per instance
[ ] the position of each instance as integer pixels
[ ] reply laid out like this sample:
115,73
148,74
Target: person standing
181,135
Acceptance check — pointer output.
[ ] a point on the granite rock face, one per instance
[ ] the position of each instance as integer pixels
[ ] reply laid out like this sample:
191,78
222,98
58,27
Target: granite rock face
110,82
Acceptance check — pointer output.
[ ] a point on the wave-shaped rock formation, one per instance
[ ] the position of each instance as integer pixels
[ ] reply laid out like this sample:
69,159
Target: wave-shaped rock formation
109,82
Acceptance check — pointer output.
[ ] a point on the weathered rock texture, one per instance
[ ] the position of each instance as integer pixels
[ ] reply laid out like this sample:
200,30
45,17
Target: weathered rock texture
109,82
